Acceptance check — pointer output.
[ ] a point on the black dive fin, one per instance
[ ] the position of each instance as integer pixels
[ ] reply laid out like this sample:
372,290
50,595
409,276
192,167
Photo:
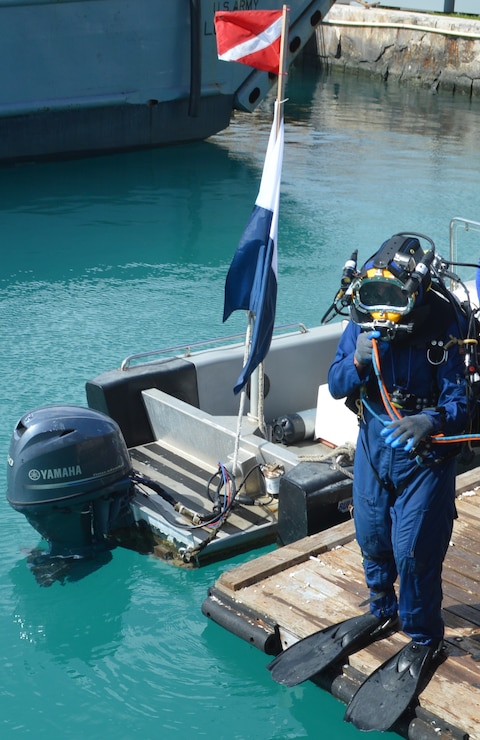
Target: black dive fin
386,693
314,653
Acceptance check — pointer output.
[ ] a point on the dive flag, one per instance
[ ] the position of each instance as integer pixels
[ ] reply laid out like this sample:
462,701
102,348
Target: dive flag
251,282
251,37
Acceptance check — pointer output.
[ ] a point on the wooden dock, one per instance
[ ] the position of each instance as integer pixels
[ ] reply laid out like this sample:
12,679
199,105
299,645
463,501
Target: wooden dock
298,589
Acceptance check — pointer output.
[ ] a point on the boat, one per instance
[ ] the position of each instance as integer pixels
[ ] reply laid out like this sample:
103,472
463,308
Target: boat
160,434
163,459
84,78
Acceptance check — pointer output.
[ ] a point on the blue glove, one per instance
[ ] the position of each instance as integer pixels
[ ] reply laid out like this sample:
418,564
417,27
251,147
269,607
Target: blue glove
364,348
408,431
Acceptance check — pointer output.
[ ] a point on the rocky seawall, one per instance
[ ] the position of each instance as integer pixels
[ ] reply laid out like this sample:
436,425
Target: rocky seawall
436,51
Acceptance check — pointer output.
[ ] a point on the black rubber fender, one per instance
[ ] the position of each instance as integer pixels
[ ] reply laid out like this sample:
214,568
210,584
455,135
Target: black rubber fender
241,622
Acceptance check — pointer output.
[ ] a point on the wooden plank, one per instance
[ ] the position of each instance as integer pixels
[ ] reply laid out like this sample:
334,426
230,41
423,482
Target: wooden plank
461,555
300,617
285,557
458,572
469,510
462,635
304,597
464,537
461,595
469,480
340,568
463,610
471,496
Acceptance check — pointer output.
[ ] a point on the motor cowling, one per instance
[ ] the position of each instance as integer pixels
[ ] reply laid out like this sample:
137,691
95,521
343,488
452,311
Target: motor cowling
69,474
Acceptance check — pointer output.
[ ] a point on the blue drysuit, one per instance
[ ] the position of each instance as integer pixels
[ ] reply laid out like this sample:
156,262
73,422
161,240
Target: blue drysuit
404,508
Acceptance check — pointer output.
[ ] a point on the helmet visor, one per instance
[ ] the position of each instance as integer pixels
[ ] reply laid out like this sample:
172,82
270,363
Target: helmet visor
381,294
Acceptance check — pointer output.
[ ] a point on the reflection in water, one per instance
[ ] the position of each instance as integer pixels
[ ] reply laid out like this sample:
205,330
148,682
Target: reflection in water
364,159
48,570
153,207
77,617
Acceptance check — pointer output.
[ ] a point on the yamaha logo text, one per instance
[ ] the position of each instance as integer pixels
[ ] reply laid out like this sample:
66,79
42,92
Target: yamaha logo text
54,473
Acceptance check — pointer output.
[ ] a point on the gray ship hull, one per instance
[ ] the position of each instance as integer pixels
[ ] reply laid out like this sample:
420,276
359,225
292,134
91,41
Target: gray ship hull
95,76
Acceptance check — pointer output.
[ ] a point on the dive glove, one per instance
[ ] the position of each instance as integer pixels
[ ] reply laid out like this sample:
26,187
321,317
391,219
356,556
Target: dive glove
364,348
408,431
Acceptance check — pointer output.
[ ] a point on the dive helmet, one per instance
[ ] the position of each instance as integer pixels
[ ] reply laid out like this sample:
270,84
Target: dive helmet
391,282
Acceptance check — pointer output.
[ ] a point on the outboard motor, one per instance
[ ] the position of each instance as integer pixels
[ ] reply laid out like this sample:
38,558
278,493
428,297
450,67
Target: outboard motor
68,473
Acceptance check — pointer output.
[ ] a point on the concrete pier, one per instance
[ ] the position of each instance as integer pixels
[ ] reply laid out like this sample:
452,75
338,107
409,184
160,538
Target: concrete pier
436,51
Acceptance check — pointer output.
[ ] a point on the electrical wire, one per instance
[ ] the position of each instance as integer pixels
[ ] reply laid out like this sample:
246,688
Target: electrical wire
229,497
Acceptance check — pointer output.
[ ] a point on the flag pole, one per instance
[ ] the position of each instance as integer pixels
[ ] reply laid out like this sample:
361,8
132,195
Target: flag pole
282,62
257,378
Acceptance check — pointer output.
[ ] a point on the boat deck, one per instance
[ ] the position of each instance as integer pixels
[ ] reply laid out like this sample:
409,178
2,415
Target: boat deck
293,591
248,525
190,477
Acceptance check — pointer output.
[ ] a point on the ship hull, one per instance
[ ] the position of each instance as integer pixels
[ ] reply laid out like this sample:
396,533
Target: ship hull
84,77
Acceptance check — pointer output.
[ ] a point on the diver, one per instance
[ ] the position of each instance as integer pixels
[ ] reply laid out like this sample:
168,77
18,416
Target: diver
404,486
399,364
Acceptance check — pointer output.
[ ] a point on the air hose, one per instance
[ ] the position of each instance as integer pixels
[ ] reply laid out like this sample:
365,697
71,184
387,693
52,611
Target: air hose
395,414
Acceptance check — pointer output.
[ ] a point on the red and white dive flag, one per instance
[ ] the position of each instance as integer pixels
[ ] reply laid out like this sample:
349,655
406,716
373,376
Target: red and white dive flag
251,37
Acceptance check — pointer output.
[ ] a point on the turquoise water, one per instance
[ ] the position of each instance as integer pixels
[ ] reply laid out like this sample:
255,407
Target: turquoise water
109,256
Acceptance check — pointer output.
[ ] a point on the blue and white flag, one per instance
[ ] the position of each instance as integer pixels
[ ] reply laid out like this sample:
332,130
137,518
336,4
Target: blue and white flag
251,282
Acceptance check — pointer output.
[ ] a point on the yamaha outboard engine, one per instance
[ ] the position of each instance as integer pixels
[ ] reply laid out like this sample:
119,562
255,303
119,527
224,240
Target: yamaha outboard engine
68,472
